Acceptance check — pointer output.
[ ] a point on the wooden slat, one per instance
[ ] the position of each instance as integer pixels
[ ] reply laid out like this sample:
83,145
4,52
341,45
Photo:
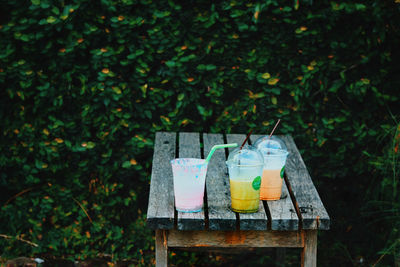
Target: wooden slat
217,182
249,221
189,147
226,239
283,212
313,213
230,250
160,212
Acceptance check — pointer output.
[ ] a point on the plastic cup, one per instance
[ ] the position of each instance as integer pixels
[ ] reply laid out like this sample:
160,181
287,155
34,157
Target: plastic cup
189,176
245,169
266,143
272,176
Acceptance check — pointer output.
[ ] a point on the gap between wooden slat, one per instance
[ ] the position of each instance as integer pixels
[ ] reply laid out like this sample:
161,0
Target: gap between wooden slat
205,207
268,212
226,149
226,158
177,145
201,145
295,204
176,156
265,203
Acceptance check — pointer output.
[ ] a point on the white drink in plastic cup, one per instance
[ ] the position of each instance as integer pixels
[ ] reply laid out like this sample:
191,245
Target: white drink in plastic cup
189,180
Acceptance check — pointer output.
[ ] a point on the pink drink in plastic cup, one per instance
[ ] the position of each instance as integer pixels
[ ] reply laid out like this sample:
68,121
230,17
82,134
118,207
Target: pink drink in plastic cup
189,180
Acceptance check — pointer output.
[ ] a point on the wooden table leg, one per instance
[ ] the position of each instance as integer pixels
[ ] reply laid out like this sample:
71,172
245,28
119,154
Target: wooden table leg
161,248
309,254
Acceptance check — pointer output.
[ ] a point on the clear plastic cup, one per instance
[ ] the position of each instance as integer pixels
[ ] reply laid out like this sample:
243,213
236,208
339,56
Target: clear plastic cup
245,168
189,175
272,177
275,154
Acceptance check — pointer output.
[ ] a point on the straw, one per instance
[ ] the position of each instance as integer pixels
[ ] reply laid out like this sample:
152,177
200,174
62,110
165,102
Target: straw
274,128
273,131
245,140
217,147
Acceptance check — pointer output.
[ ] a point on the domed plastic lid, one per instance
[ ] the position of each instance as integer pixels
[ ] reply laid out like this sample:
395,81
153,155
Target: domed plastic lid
247,156
266,143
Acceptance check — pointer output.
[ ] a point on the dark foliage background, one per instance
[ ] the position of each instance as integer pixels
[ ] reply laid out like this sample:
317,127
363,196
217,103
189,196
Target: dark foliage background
86,84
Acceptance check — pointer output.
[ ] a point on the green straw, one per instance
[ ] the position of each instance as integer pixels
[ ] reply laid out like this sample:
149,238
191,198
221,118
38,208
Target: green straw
216,147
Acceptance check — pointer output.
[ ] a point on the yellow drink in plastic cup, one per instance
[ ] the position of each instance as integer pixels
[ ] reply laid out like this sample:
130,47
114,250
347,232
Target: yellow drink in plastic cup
245,169
244,197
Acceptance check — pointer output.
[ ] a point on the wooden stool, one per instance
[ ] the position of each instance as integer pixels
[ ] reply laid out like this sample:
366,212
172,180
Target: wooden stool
292,221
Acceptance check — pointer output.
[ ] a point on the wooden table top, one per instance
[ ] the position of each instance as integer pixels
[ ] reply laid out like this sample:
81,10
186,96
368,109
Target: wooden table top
299,208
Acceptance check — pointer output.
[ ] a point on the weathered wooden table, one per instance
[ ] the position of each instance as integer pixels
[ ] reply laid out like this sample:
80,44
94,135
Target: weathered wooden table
292,221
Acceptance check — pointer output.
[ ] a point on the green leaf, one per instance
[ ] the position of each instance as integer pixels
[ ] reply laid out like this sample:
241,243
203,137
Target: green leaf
210,67
90,145
266,76
55,10
126,164
25,37
170,64
51,19
117,90
44,5
187,58
360,6
148,114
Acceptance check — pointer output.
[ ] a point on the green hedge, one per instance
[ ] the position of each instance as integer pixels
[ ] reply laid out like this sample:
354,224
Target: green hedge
86,84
